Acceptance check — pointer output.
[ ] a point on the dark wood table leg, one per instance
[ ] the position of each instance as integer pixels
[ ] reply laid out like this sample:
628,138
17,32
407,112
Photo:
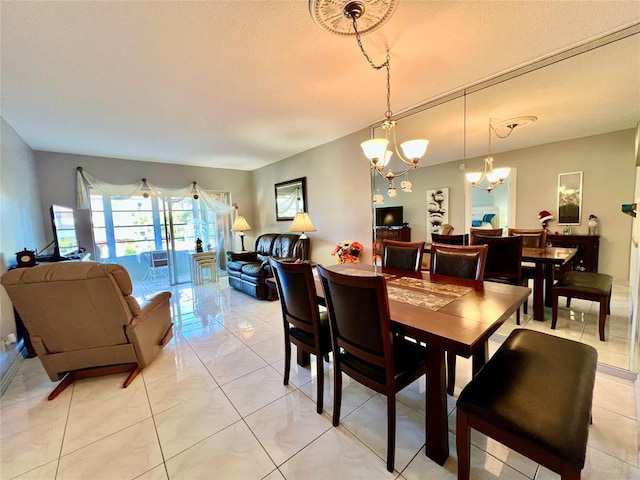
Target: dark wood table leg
303,358
538,293
479,358
436,428
548,284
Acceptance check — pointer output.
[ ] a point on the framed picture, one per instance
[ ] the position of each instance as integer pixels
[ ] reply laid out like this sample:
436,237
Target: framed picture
291,198
569,198
437,210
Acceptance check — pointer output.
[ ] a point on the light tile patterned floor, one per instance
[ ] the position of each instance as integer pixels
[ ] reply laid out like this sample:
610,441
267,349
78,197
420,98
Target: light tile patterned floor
213,406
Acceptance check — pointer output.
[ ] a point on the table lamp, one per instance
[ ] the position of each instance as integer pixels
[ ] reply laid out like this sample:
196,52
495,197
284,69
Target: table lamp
302,223
241,225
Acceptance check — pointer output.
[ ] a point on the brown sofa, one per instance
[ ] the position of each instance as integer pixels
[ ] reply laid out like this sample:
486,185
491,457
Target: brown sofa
248,271
83,321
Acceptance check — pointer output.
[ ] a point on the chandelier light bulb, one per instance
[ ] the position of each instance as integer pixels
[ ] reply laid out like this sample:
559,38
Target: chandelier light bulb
375,150
501,173
406,186
473,177
392,192
377,198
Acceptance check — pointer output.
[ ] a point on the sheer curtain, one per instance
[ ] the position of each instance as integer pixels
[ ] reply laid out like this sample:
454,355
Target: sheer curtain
86,180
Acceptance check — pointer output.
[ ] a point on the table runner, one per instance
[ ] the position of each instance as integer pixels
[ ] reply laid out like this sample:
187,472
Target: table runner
432,296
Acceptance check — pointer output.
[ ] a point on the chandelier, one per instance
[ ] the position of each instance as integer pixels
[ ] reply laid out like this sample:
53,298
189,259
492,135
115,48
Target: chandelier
491,177
328,15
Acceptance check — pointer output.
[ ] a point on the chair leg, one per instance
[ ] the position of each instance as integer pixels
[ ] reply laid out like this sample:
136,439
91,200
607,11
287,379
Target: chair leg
287,359
67,380
518,316
337,392
391,431
451,372
554,310
320,382
602,317
463,445
131,377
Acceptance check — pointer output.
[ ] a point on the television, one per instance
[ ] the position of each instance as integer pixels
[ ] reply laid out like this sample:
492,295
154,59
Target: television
389,217
65,240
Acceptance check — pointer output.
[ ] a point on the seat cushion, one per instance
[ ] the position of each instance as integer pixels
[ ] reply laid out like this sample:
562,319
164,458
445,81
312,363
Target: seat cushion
587,282
538,387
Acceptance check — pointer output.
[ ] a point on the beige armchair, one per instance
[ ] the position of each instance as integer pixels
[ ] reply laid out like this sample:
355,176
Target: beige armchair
83,321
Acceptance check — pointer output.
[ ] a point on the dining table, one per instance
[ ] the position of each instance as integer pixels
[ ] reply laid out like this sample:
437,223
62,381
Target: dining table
448,314
545,261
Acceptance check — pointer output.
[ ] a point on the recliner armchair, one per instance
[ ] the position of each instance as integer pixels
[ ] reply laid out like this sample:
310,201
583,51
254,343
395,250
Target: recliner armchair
83,321
249,271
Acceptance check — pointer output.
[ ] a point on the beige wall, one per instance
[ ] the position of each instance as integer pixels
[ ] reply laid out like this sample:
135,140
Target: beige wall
20,220
338,195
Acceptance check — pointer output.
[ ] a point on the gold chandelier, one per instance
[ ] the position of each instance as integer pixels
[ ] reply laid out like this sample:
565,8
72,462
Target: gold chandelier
327,14
491,177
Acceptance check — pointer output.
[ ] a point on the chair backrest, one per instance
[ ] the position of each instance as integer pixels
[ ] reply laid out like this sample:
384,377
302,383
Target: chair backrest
532,238
158,258
462,239
485,232
73,306
458,260
360,324
447,229
402,255
298,297
504,257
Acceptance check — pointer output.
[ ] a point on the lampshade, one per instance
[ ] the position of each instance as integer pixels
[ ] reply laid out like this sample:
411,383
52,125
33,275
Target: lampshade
414,149
240,224
302,223
375,148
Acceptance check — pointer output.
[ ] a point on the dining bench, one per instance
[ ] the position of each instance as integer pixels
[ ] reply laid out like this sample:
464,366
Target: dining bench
534,396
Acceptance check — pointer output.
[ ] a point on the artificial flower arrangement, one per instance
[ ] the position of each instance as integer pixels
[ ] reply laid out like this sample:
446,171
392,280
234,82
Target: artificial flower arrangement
348,252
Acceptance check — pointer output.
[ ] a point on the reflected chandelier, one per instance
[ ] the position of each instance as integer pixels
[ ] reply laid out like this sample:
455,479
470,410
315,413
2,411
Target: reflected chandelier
327,14
491,177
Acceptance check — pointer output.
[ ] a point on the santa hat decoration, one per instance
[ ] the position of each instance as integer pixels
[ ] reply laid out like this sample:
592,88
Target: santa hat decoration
545,216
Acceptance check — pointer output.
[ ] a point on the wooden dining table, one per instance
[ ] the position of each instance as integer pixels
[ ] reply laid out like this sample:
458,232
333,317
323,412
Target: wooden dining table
447,314
545,260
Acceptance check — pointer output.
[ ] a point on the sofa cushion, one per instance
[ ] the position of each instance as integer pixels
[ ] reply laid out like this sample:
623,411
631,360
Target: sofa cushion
264,244
285,246
254,270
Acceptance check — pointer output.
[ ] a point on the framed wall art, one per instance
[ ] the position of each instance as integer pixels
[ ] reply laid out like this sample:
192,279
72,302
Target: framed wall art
437,210
569,198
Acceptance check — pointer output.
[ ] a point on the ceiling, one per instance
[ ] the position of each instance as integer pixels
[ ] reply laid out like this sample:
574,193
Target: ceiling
242,84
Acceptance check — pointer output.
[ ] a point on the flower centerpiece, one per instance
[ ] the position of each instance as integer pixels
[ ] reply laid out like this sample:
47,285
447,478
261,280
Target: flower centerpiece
348,252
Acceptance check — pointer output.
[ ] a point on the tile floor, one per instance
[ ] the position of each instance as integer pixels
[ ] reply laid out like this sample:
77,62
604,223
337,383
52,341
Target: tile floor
213,406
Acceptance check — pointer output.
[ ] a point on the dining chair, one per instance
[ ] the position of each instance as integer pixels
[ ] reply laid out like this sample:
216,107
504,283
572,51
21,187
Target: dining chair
504,260
402,255
486,232
462,262
532,238
305,325
461,239
364,346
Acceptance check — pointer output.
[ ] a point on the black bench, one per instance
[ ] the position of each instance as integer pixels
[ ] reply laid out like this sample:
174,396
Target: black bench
587,286
534,396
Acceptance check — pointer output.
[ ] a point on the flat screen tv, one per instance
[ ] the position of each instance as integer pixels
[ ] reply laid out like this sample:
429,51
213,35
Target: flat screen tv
389,216
65,240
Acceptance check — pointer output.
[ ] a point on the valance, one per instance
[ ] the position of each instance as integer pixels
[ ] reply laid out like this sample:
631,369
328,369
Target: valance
85,180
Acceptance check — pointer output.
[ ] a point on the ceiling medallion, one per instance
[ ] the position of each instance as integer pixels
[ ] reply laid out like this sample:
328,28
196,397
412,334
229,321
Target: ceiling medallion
336,16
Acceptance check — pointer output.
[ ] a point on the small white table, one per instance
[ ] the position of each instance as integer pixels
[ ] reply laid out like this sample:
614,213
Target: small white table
201,261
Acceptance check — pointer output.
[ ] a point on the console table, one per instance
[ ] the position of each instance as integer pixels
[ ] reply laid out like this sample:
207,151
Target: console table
402,234
586,259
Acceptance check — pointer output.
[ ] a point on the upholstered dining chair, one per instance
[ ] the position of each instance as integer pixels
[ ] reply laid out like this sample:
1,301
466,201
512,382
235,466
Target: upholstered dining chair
305,325
364,347
485,232
504,260
462,262
461,239
531,238
402,255
83,320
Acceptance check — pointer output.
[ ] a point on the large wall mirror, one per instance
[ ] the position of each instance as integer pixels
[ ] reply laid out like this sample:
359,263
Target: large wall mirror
590,93
291,198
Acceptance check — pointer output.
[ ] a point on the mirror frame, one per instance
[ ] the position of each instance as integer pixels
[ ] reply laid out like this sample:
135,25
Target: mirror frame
283,189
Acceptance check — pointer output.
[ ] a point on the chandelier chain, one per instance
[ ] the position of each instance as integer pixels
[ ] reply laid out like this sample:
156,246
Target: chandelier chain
386,64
